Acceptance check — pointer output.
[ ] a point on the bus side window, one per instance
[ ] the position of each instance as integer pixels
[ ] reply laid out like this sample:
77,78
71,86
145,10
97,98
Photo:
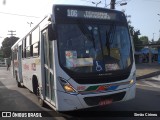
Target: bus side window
24,50
38,48
35,49
28,46
31,50
35,43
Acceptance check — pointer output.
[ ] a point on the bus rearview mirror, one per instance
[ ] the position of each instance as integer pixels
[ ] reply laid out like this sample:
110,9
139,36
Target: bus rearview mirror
51,32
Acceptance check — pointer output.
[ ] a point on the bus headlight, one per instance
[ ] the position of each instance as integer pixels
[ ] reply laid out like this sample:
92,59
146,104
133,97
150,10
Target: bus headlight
67,86
131,82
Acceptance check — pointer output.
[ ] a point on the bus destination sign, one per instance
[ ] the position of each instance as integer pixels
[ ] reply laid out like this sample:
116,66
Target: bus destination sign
90,14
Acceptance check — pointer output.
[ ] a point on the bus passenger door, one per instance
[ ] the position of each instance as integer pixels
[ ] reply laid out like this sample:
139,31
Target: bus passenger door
20,63
48,67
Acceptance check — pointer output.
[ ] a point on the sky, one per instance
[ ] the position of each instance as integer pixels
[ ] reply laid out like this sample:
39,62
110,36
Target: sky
16,14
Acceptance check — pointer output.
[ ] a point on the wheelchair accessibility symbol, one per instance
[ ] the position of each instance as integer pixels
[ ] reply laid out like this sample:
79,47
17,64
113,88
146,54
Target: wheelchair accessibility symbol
98,67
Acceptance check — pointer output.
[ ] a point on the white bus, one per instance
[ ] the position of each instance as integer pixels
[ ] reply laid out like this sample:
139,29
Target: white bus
76,58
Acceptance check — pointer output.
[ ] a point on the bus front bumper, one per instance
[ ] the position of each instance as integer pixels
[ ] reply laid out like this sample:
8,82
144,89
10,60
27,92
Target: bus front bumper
68,102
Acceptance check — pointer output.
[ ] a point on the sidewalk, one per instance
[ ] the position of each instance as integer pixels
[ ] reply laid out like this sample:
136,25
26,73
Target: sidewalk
146,70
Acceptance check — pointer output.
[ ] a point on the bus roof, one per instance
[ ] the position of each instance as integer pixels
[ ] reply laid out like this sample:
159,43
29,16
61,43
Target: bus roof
47,16
84,6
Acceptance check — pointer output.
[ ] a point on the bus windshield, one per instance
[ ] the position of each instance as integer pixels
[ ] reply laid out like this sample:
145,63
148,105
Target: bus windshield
94,48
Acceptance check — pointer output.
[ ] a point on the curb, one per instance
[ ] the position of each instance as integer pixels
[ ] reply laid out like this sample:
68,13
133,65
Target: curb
148,75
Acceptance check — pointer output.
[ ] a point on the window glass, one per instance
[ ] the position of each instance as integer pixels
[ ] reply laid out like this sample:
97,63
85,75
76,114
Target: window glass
52,87
47,83
51,54
28,52
87,48
35,49
15,54
24,48
45,49
35,36
28,41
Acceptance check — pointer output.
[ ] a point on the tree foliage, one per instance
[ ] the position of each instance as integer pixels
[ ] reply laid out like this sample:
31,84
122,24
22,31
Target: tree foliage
137,42
134,33
1,55
144,40
158,41
7,44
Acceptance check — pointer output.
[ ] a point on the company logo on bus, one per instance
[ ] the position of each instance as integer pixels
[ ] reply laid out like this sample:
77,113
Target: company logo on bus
105,74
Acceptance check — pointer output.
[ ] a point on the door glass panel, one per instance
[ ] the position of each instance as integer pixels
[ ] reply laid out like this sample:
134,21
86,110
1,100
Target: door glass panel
51,54
47,82
20,62
52,88
48,68
45,50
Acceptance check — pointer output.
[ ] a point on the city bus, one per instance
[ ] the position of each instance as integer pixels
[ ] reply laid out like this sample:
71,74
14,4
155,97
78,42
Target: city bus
77,57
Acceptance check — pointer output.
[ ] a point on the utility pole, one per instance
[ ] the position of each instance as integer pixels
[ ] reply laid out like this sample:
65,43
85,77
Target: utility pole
112,4
159,34
105,4
96,3
30,23
153,37
4,2
159,30
11,33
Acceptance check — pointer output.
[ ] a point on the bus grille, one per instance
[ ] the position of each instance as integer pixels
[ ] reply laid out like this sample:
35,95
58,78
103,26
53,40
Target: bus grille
100,79
91,101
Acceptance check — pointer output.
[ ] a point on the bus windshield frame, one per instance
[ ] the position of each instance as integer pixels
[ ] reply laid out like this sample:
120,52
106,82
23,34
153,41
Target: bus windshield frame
84,25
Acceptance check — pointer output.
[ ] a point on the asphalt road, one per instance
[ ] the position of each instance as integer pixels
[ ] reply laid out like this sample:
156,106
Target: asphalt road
147,99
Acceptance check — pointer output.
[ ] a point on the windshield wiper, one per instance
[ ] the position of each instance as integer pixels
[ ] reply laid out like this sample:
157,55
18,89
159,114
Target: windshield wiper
110,36
87,33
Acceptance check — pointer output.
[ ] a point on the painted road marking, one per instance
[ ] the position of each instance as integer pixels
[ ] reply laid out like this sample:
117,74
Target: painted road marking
152,84
143,85
156,78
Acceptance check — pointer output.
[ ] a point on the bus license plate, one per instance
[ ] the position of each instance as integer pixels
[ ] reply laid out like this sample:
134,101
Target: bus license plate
105,102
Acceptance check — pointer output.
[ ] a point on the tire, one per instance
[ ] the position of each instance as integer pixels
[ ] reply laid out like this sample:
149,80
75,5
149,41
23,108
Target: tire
35,86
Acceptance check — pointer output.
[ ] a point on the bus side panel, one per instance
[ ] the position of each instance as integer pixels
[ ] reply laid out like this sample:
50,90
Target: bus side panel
30,67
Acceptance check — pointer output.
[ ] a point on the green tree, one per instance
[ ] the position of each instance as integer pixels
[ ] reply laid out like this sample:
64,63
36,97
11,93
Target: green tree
134,33
1,54
137,42
7,44
144,40
158,41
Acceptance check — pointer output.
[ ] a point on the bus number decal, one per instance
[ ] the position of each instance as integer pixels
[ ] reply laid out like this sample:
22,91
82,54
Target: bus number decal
72,13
